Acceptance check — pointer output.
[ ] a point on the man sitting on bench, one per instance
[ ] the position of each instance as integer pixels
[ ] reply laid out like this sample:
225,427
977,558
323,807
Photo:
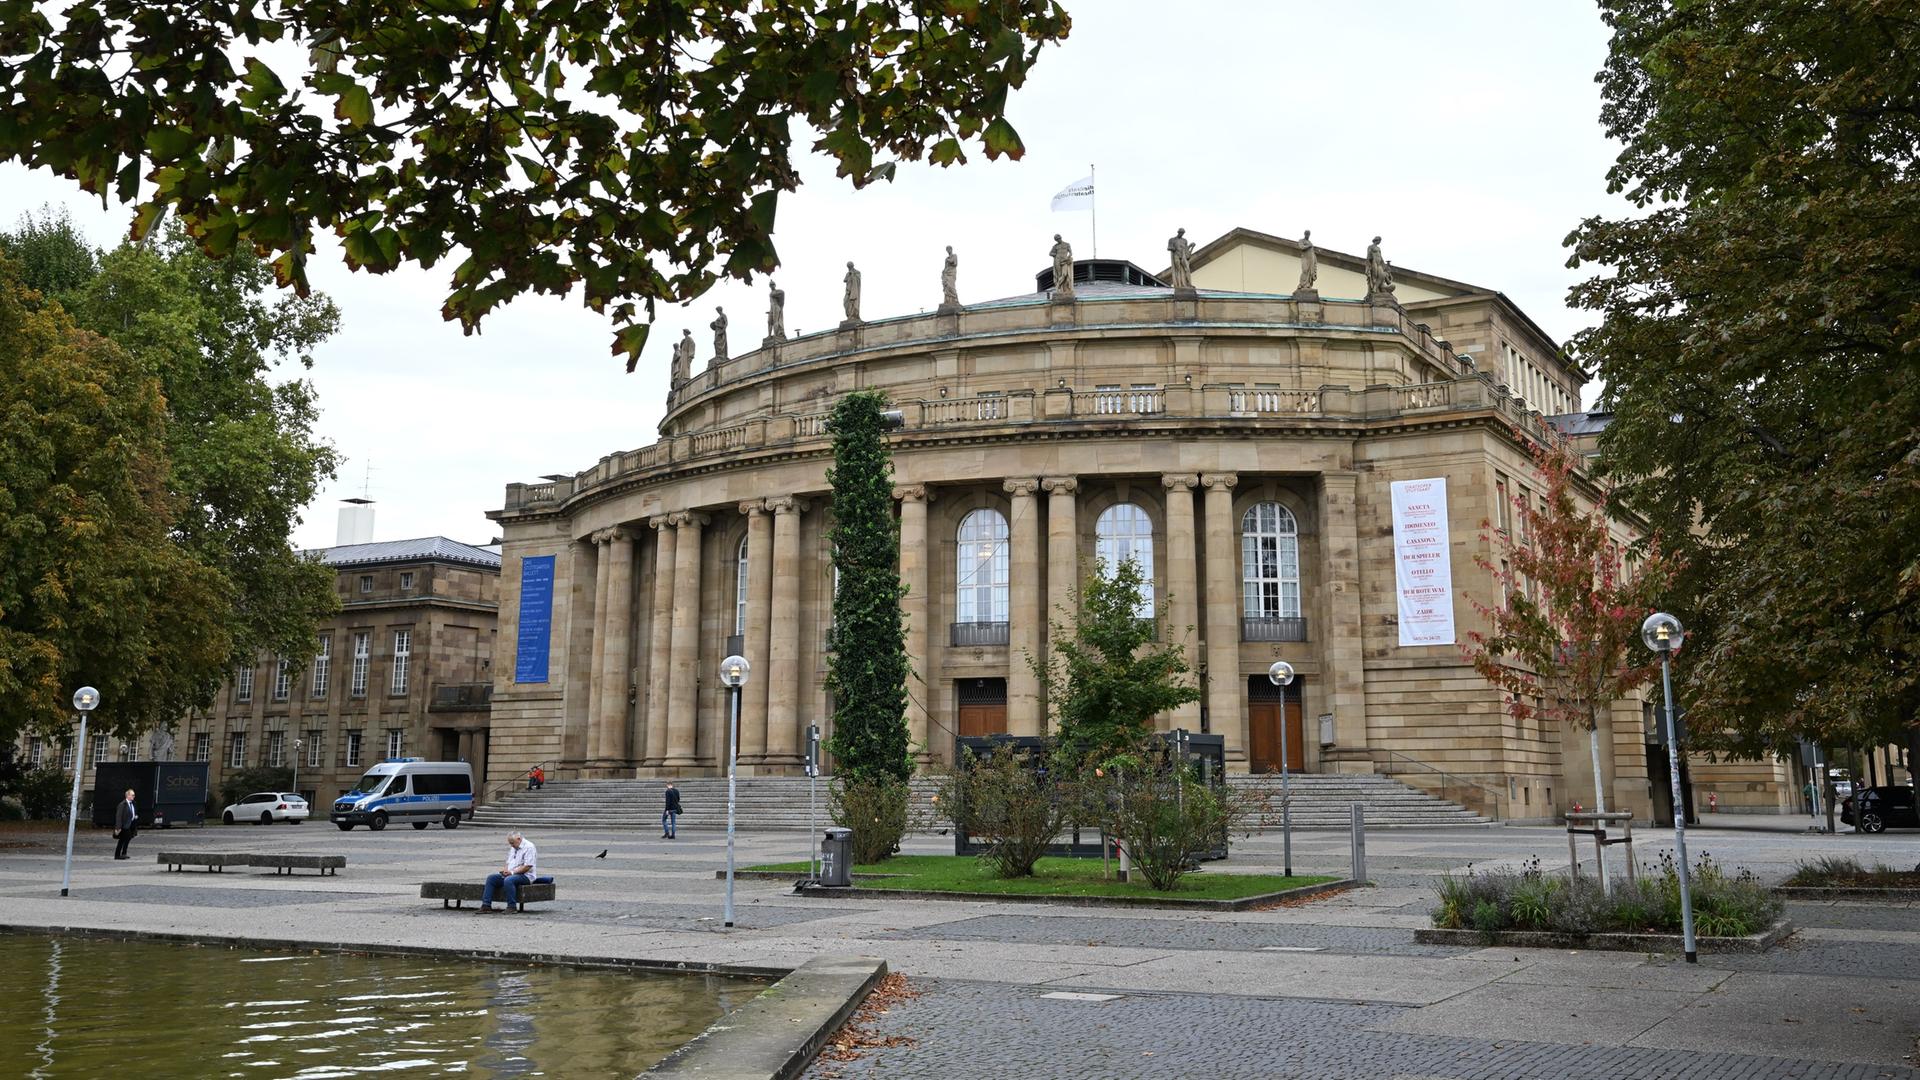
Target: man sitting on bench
518,870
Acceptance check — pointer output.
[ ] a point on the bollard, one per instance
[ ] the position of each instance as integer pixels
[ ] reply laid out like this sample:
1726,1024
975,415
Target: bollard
1359,843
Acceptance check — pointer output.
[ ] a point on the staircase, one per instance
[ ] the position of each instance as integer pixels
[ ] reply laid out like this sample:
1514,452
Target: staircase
775,802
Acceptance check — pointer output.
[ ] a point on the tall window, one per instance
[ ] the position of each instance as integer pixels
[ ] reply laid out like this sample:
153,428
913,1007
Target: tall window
353,750
323,666
402,654
282,679
98,751
406,580
67,746
276,749
362,644
740,589
36,751
396,738
1270,562
243,685
314,757
980,570
366,583
1124,532
202,746
237,750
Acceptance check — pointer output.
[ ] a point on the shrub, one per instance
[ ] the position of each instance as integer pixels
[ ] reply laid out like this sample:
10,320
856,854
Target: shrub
1164,816
1724,904
1012,803
876,811
44,794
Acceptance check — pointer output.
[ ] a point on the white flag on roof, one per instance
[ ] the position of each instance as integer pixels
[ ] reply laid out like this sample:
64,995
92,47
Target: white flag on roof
1075,196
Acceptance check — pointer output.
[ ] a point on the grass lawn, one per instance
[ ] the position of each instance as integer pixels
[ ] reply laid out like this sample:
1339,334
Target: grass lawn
1052,877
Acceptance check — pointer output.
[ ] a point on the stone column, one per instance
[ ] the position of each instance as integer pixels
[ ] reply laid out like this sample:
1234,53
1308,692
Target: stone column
610,744
683,701
1183,584
783,634
753,697
1063,553
1345,678
913,574
596,673
1023,609
660,643
1226,690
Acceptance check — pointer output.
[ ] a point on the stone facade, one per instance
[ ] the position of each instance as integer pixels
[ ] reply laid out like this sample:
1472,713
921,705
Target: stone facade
1126,418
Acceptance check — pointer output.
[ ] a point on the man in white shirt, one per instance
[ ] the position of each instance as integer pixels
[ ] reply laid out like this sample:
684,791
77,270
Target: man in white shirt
519,869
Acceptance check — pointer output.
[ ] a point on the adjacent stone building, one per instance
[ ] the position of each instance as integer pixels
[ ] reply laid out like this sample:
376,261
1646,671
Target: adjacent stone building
1240,438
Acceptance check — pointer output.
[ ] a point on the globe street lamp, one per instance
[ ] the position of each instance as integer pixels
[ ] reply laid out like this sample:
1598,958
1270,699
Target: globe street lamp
84,701
733,672
1663,634
296,765
1281,674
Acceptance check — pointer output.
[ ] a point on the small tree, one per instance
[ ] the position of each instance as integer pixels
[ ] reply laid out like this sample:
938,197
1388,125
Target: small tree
1012,803
1109,677
1567,629
868,668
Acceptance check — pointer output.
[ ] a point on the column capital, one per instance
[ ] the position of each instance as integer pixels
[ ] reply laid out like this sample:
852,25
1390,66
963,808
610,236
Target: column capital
1017,488
618,534
660,521
913,493
786,504
753,507
684,518
1219,481
1179,481
1060,485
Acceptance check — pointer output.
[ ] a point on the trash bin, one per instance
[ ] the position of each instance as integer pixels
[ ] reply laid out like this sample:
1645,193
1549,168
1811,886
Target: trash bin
836,858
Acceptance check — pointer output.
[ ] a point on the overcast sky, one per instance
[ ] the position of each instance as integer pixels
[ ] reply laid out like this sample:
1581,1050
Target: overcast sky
1466,134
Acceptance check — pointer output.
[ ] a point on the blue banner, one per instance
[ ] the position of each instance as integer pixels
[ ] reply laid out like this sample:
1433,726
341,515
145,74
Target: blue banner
536,620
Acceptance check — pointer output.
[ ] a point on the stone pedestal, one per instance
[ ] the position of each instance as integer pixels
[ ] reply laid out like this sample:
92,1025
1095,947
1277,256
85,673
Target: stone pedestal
1060,311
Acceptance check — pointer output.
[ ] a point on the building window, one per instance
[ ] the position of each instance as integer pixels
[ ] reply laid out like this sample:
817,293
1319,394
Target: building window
243,685
36,751
402,654
740,588
406,580
353,750
282,680
276,749
98,749
366,583
362,644
130,750
202,746
1124,532
396,739
322,665
1270,562
314,741
1502,502
67,748
237,750
980,570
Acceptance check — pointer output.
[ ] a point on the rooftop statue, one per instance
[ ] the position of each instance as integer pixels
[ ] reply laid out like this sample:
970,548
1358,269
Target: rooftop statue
852,300
950,280
1182,250
682,368
1062,269
1379,271
719,336
776,313
1309,263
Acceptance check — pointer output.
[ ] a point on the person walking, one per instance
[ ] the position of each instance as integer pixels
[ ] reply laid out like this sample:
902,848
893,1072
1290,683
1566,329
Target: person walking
671,815
520,868
126,822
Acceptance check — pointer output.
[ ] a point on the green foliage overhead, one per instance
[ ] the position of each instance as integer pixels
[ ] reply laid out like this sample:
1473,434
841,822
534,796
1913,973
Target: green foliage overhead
635,148
1761,349
1108,676
868,669
92,586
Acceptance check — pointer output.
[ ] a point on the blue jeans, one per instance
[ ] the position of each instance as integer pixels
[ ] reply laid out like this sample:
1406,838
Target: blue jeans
667,821
512,887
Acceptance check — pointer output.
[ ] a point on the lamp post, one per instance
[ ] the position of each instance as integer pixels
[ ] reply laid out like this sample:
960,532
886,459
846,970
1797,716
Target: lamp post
733,672
84,701
1663,634
1281,674
297,744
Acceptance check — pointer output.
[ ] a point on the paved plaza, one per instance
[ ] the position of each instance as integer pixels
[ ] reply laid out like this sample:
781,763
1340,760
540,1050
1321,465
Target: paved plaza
1329,989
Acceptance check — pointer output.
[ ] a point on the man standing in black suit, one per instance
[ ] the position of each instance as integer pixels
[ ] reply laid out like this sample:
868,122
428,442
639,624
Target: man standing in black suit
126,822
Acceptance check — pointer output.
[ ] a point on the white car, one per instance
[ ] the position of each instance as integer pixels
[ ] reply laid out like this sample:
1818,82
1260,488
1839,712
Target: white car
267,807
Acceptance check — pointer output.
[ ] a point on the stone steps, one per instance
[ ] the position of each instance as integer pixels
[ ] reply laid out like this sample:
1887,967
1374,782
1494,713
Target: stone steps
769,803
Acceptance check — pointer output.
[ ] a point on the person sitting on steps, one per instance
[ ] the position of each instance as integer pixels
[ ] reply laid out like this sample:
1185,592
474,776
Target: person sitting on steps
519,869
536,778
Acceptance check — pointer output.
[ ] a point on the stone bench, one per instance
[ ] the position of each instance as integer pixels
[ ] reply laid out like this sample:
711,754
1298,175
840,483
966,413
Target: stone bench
453,893
287,864
214,861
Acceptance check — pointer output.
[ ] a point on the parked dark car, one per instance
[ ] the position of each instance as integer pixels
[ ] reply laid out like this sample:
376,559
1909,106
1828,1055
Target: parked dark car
1881,808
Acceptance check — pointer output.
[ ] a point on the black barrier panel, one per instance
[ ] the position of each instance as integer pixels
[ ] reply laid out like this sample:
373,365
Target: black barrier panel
176,790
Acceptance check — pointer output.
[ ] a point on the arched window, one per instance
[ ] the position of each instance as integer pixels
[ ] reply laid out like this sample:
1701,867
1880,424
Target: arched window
1270,562
1125,532
740,589
980,568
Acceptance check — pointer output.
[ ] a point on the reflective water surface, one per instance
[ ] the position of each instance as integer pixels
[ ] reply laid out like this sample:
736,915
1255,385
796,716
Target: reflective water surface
85,1008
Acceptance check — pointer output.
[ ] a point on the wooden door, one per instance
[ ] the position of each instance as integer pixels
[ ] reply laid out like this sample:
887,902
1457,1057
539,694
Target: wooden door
981,720
1263,731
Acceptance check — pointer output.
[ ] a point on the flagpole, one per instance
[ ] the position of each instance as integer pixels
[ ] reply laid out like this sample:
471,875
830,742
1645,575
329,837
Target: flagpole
1093,206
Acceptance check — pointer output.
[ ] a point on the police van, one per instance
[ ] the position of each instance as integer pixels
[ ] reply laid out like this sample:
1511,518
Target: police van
408,789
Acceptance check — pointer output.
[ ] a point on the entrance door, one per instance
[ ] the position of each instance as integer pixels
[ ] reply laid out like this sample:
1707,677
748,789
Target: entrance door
1268,707
983,707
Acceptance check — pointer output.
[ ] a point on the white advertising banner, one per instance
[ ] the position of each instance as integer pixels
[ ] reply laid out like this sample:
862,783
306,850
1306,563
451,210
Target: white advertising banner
1422,561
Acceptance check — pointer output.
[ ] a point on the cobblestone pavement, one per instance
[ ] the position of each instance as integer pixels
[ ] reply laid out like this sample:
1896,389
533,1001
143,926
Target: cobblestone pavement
1018,1032
1168,934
